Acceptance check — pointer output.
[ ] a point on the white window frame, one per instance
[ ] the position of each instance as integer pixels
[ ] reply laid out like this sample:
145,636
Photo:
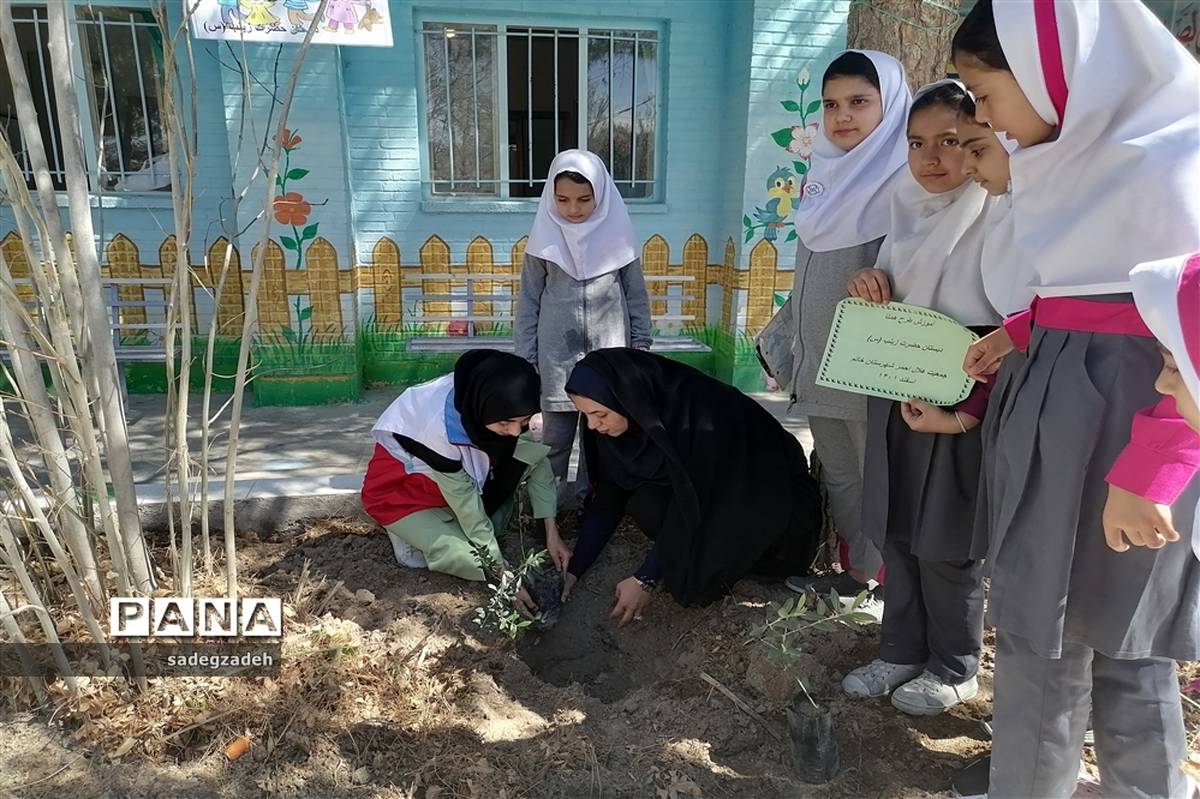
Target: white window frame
85,101
503,24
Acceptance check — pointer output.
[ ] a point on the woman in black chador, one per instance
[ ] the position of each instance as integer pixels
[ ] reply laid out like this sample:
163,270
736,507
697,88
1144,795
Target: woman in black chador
707,473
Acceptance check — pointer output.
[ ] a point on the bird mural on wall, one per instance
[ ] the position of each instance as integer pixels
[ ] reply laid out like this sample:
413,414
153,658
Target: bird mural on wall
781,188
797,141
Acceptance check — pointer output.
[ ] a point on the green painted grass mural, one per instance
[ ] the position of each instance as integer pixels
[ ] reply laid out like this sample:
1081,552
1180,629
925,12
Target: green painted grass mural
305,353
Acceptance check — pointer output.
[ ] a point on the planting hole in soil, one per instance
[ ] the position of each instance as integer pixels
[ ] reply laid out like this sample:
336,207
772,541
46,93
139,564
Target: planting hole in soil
580,653
585,646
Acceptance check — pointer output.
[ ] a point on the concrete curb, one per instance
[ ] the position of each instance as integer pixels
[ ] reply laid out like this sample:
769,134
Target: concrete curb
266,505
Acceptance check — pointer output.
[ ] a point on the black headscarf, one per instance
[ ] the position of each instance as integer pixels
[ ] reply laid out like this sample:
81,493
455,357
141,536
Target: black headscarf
632,459
492,386
742,498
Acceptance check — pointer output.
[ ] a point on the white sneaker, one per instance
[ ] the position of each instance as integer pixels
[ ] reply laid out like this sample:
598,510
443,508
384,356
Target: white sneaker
872,605
929,695
407,554
878,678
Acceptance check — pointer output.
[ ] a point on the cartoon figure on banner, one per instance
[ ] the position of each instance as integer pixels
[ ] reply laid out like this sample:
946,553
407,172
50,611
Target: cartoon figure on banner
231,13
329,22
370,18
342,12
787,189
297,12
260,13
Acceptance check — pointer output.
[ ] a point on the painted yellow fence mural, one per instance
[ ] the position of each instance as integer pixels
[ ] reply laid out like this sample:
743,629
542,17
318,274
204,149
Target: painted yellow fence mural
324,285
331,318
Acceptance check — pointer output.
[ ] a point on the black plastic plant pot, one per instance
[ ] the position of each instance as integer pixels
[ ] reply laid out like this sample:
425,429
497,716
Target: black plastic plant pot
545,586
814,746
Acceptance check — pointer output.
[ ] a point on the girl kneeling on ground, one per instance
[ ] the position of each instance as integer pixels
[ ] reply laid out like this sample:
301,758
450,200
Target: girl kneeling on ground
449,457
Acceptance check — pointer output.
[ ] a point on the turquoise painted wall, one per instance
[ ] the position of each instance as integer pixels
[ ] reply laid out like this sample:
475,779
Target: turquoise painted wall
385,151
313,170
144,216
785,39
726,66
788,38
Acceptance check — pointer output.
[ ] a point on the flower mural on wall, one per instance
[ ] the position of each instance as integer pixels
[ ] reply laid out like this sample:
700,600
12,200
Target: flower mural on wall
803,137
785,185
291,209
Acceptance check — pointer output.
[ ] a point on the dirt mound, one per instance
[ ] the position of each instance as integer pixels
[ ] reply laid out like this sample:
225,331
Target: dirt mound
400,697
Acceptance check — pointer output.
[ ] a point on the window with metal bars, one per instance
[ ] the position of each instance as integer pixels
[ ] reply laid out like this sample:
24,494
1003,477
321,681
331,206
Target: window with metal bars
502,100
118,51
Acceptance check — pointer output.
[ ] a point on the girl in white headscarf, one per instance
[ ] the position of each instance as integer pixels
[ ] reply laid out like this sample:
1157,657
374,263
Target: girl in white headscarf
1103,103
1167,294
843,214
581,290
922,462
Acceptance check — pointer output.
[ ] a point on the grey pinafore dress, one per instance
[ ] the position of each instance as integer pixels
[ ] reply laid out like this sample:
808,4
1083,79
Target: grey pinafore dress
1060,427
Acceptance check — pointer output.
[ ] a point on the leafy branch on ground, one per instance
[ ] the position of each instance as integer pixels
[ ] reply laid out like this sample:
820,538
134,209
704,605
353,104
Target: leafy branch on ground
499,614
808,611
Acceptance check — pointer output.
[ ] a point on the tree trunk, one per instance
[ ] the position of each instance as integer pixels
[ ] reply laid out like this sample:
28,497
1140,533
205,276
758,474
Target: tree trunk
250,320
917,32
183,174
35,401
104,360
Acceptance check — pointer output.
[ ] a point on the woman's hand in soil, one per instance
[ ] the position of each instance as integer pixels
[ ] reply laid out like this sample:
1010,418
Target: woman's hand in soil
524,603
871,285
1128,517
631,601
569,581
922,417
984,356
560,553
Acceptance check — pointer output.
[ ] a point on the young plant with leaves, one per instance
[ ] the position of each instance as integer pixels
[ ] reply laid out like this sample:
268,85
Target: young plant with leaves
808,611
500,614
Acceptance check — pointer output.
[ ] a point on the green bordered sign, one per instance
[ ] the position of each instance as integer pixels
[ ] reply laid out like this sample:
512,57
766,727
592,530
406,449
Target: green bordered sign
896,351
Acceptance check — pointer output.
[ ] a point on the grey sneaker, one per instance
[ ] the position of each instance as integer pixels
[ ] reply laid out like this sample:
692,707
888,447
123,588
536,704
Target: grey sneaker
843,583
878,678
929,695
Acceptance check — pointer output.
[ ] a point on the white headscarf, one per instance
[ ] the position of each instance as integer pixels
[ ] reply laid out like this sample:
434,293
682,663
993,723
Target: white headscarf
600,244
1006,275
933,246
1119,184
1167,294
847,194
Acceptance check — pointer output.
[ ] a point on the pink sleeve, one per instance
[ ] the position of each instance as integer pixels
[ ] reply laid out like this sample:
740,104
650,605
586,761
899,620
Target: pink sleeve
1162,456
1019,327
977,401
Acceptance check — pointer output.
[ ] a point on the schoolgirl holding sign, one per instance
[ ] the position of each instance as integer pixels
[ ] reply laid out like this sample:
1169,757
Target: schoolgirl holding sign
922,461
1102,101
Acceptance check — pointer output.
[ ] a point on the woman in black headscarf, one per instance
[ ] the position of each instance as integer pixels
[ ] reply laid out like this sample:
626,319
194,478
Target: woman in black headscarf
706,472
449,456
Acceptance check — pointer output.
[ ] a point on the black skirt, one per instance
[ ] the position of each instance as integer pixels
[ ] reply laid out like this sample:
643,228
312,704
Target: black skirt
921,487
